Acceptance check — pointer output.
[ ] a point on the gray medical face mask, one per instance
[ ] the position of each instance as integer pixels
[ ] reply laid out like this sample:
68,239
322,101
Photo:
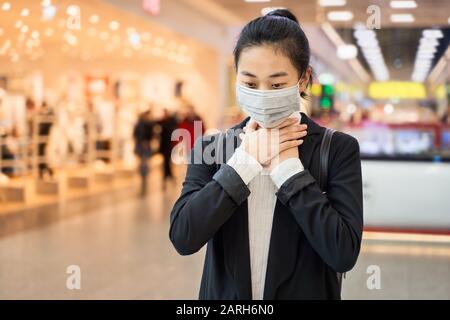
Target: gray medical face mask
268,108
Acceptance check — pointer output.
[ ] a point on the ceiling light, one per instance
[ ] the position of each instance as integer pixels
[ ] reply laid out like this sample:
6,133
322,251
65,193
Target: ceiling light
332,3
5,47
371,51
94,19
421,69
348,51
29,43
25,12
373,56
340,15
351,108
73,10
46,3
267,10
134,38
425,55
24,29
427,49
388,108
429,42
364,34
402,18
432,33
403,4
326,78
422,62
418,77
71,39
368,43
48,12
114,25
6,6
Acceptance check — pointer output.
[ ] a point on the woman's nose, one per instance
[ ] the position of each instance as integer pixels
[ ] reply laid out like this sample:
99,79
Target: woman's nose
263,87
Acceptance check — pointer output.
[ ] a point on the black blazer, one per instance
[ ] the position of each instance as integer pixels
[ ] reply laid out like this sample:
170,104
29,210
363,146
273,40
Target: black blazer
314,235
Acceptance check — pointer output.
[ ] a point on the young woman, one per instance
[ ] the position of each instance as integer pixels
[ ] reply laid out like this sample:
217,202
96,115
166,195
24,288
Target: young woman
271,233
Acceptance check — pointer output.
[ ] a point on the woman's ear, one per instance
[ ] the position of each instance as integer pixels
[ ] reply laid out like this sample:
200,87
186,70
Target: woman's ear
305,80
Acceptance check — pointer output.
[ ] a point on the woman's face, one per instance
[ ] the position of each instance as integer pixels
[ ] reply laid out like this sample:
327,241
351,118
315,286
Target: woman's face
263,68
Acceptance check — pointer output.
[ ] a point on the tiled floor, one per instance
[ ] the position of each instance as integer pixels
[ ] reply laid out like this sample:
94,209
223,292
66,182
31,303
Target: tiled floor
123,250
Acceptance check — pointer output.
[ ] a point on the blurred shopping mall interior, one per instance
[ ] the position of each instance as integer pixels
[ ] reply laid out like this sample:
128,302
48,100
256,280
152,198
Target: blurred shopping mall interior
84,82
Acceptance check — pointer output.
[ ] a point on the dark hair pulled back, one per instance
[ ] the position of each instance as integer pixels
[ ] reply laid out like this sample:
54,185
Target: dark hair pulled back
280,29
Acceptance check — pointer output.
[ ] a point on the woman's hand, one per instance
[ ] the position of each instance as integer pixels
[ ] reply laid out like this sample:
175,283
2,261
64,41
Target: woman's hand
288,153
266,144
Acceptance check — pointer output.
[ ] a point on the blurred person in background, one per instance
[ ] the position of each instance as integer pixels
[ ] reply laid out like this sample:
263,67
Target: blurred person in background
44,127
270,229
30,107
188,120
5,134
168,124
143,134
445,119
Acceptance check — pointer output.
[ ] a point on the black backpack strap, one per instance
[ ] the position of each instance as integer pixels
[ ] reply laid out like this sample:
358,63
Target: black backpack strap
323,175
324,155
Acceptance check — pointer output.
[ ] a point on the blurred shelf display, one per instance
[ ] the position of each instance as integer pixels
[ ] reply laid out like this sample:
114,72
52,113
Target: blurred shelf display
415,142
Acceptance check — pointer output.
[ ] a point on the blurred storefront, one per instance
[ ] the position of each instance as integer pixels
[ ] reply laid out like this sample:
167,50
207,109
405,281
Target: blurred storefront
75,77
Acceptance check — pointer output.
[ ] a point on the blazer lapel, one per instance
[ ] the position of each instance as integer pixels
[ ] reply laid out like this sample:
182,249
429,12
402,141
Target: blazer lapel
237,251
310,142
282,251
284,238
282,256
236,238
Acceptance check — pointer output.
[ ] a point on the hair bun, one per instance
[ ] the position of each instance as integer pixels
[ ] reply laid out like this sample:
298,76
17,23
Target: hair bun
285,13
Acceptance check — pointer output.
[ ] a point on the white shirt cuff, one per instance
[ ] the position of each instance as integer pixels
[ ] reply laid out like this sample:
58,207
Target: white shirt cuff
246,166
285,170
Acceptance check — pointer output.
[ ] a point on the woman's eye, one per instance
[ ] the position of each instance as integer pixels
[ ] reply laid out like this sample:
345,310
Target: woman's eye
250,85
278,85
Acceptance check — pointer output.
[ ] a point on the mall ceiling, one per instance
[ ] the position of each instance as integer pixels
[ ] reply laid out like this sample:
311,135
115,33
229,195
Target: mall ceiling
398,41
31,30
426,13
399,48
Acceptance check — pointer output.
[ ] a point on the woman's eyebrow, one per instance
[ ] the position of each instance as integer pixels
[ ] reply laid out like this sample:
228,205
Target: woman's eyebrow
248,74
278,74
